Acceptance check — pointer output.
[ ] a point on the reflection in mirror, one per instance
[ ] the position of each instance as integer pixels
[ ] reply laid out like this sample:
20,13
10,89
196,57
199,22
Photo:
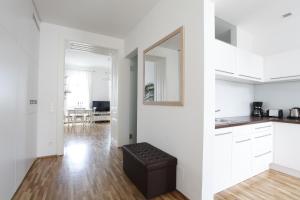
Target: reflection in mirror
163,70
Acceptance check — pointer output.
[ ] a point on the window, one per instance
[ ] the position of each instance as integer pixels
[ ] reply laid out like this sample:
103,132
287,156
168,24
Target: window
77,89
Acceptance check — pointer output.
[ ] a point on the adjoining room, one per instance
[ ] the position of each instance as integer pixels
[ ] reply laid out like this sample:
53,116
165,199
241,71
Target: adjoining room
87,96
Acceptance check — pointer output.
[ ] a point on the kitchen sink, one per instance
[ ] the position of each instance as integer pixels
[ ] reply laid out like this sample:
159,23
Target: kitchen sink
222,121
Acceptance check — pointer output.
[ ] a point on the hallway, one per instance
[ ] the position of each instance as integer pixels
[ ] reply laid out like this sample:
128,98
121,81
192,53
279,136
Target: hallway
90,170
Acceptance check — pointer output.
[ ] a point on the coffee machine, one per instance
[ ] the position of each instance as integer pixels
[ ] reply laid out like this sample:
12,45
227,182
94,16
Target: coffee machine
257,110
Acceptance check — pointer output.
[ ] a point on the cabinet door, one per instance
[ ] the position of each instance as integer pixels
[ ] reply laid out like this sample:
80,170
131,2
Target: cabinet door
262,139
262,162
225,58
286,145
222,159
250,66
241,154
284,66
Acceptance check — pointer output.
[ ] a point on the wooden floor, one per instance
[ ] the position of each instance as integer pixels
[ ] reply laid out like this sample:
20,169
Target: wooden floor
270,185
90,170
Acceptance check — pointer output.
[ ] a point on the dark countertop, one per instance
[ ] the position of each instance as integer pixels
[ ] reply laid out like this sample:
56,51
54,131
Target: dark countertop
238,121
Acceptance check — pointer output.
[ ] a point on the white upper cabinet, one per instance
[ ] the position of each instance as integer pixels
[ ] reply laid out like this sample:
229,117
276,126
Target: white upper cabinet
236,63
249,65
284,66
225,58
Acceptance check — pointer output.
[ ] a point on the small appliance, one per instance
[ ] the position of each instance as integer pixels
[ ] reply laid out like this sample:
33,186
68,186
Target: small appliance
278,113
257,110
294,113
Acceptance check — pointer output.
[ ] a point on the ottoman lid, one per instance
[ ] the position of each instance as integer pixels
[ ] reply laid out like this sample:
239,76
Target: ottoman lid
150,156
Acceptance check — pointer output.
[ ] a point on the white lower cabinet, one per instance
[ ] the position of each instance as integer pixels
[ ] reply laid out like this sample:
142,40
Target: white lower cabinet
240,153
222,158
262,147
262,162
287,147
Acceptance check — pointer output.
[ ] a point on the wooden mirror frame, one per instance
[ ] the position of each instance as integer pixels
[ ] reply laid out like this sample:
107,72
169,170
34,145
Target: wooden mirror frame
180,32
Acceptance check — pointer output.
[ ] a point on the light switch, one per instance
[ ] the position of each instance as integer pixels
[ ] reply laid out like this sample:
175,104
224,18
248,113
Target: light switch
32,101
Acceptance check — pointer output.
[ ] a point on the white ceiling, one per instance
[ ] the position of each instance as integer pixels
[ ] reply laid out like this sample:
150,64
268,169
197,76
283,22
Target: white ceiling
263,19
111,17
83,59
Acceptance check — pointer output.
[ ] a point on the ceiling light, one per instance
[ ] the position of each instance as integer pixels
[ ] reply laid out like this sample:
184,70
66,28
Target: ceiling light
287,15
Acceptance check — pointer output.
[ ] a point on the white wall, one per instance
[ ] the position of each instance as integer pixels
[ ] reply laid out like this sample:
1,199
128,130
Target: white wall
233,99
19,39
283,95
51,73
176,130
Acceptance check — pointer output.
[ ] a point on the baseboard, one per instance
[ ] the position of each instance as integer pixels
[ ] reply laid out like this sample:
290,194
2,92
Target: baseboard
50,156
286,170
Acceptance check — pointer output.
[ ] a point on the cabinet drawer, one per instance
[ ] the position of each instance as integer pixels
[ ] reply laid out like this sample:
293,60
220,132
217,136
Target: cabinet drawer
262,143
263,127
261,162
223,131
242,133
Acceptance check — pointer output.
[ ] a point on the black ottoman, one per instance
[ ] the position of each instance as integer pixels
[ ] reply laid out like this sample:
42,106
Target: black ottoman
150,169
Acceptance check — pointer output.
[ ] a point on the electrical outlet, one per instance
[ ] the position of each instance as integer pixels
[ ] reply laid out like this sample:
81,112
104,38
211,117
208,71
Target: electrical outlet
130,136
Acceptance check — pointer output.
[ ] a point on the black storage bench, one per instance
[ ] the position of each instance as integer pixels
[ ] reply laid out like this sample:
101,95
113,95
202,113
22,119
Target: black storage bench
150,169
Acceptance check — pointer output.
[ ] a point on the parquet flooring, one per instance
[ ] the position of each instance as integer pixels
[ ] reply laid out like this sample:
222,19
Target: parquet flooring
91,169
270,185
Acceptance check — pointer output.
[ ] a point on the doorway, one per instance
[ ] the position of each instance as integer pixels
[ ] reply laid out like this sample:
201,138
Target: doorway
87,96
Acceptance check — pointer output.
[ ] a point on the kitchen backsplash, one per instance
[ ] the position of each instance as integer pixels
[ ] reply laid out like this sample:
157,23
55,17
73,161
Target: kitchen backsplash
233,99
283,95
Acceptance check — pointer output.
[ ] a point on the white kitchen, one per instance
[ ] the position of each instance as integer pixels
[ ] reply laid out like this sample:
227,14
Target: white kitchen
257,100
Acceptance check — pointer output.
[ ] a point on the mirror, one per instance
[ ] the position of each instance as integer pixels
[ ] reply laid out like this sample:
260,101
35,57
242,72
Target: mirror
163,71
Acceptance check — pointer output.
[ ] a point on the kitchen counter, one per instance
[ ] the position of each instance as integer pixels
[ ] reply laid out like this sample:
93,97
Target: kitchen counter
238,121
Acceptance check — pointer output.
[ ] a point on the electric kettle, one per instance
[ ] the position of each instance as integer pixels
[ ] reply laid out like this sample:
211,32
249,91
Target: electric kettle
295,113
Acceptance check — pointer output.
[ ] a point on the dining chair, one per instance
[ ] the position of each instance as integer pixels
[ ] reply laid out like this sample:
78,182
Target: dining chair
71,117
80,116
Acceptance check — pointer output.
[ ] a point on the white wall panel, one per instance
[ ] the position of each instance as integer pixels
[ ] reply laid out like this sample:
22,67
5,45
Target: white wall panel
19,40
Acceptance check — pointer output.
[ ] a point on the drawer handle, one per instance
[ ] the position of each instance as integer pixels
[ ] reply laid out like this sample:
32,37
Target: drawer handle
283,77
263,127
224,71
220,134
262,136
250,77
260,155
241,141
